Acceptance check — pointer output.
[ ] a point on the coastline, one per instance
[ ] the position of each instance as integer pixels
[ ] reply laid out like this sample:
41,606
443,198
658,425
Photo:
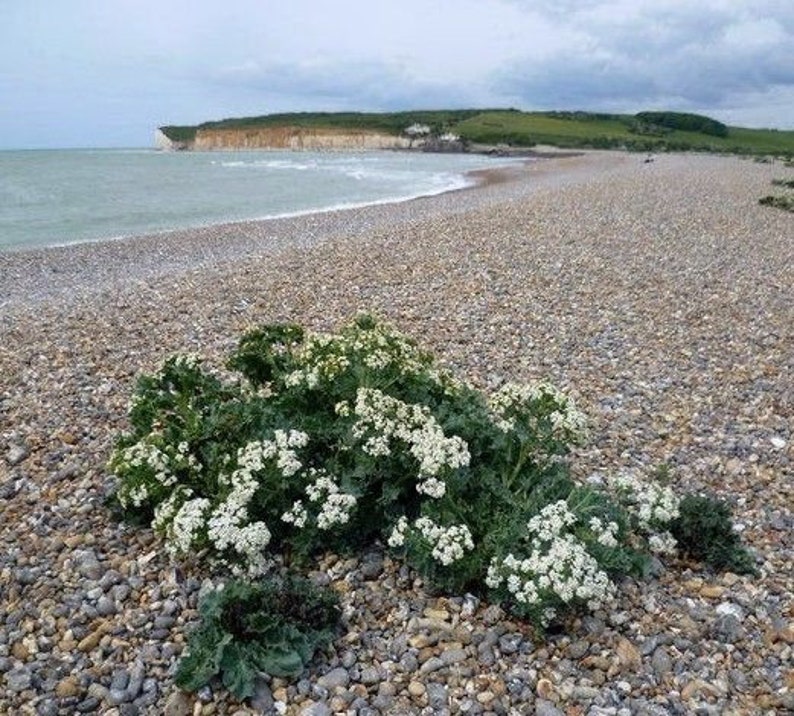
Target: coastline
228,187
660,295
91,265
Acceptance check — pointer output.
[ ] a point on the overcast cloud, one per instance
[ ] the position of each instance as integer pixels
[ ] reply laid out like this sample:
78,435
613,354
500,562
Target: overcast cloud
108,72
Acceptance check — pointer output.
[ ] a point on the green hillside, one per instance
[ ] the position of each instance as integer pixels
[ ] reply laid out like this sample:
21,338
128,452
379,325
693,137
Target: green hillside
645,131
582,129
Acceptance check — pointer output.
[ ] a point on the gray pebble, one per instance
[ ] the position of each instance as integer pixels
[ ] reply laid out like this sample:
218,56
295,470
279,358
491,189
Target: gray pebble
370,675
335,678
437,696
546,708
578,648
120,680
88,705
105,606
509,643
661,662
48,707
453,656
87,564
18,679
372,565
16,454
431,665
164,622
262,700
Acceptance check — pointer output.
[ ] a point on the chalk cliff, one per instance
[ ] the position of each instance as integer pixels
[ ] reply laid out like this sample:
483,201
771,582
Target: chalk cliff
294,138
164,142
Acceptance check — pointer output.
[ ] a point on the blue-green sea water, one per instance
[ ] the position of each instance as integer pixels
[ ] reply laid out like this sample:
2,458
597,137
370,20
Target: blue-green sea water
59,197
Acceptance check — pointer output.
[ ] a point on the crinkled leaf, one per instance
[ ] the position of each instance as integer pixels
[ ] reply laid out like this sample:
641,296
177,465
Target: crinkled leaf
278,660
203,660
238,674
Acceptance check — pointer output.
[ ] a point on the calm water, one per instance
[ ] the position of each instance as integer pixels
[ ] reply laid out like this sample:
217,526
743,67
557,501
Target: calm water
59,197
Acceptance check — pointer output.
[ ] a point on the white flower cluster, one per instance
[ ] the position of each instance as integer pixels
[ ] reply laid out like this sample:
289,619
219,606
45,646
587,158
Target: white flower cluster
161,465
337,505
397,536
254,455
335,509
165,511
185,526
135,496
324,357
186,360
449,544
567,421
551,521
185,519
146,453
382,419
296,515
662,543
606,533
558,564
653,504
322,368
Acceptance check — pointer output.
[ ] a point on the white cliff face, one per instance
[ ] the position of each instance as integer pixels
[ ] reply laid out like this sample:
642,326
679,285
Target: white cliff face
295,138
163,142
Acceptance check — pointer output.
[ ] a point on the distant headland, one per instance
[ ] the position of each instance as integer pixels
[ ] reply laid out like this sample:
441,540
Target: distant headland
477,130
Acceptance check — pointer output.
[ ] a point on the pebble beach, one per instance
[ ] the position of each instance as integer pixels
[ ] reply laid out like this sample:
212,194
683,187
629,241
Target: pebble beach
659,294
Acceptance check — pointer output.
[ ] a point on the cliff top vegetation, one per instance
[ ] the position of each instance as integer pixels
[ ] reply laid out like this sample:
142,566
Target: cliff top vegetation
644,131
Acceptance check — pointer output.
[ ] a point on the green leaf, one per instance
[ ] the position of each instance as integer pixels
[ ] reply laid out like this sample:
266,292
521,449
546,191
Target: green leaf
278,660
238,674
203,660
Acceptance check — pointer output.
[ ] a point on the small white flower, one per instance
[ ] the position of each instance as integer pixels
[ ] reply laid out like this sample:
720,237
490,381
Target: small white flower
432,487
449,544
296,515
397,536
662,543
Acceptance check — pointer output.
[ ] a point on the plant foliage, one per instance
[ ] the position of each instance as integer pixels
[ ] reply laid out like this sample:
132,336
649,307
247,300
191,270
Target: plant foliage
705,532
335,441
685,122
273,626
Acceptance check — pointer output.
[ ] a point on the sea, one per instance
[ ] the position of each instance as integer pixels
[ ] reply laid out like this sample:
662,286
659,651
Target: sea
56,197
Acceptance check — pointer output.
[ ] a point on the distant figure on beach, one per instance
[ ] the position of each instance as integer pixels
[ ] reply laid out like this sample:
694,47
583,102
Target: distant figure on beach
648,159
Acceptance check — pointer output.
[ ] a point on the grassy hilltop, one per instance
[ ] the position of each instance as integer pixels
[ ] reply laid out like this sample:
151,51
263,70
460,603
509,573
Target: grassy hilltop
645,131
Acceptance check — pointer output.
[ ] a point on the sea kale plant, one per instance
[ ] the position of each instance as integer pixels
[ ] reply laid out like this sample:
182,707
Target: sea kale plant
274,627
336,441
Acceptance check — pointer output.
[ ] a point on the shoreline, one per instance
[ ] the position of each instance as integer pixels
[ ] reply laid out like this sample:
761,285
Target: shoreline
660,296
46,270
459,180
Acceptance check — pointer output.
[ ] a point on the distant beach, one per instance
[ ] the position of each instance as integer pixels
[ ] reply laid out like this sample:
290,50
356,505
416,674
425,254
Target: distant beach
659,294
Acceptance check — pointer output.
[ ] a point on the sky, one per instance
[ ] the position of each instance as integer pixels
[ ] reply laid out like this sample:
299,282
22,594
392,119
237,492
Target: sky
107,73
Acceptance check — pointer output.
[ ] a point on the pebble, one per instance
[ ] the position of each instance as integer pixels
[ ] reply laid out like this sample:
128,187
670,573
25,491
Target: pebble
546,708
662,298
437,696
16,454
661,663
336,678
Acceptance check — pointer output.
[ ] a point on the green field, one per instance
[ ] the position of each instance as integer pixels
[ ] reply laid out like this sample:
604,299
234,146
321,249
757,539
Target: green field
660,131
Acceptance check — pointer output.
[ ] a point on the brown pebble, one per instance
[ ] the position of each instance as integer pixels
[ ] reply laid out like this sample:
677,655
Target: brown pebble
67,687
416,688
628,654
712,591
545,689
